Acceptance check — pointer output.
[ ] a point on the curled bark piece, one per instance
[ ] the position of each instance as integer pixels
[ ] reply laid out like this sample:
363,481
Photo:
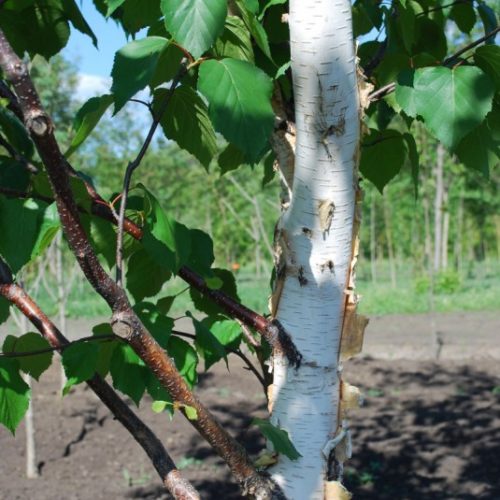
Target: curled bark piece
335,490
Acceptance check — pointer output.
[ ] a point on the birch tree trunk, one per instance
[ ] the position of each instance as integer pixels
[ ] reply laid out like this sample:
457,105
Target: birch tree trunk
315,239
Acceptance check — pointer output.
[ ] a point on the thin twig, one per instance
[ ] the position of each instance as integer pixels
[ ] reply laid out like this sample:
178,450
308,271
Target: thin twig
135,163
7,147
390,87
22,354
442,7
471,45
144,103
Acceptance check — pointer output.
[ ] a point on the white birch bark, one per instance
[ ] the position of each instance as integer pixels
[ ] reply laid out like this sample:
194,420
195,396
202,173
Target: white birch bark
314,237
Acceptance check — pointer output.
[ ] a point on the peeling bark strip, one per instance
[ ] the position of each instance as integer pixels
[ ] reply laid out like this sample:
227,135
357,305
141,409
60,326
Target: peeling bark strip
307,404
179,487
41,130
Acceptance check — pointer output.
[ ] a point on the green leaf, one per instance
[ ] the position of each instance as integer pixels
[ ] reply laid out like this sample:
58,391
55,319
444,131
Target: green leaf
165,303
239,102
128,372
159,325
134,66
452,101
45,21
4,309
278,437
15,133
167,242
487,58
195,24
480,149
489,19
190,412
207,345
202,253
185,357
140,265
159,406
405,92
106,348
167,65
18,239
406,25
103,238
230,158
464,16
383,154
186,121
79,361
256,29
113,5
14,394
157,391
139,14
87,118
228,286
227,332
414,160
431,39
235,41
74,15
32,365
48,230
13,174
270,4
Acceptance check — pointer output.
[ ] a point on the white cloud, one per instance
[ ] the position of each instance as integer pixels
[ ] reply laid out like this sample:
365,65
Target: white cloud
91,86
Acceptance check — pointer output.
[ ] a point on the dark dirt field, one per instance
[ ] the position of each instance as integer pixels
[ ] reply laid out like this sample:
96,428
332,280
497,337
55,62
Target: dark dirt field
429,429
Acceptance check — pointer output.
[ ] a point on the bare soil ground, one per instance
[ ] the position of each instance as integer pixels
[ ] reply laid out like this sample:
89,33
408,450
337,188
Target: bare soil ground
428,429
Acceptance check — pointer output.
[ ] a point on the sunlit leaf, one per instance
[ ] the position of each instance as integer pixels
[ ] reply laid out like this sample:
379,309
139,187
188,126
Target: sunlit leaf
186,121
33,365
278,437
87,118
195,24
14,394
239,102
134,66
79,361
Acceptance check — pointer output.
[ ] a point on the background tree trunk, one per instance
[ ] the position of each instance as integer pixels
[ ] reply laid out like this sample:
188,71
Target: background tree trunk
373,248
438,207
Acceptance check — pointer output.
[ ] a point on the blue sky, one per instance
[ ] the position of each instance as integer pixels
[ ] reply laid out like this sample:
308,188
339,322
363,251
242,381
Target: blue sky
80,49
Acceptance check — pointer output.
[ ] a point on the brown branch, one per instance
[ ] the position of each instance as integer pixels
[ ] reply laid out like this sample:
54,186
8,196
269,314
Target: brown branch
125,322
179,487
133,165
271,331
13,105
276,336
390,87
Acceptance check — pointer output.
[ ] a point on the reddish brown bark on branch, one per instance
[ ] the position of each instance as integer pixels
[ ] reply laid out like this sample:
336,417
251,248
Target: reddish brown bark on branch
125,322
178,486
272,331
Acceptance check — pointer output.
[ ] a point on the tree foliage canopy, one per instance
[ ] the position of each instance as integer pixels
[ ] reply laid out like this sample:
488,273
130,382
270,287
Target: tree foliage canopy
216,71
